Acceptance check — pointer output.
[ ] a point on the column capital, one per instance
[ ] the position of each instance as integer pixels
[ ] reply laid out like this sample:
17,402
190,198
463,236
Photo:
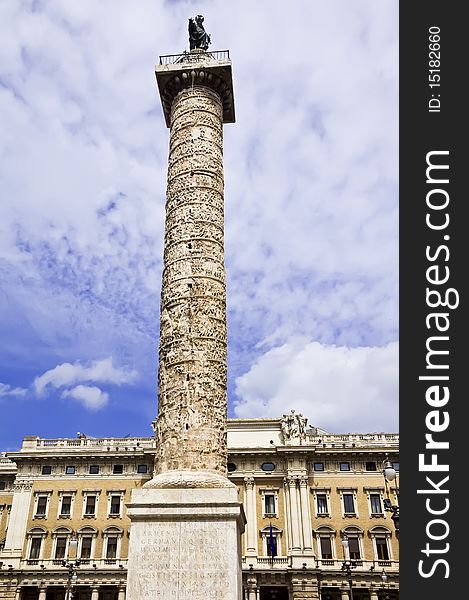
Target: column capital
249,482
303,479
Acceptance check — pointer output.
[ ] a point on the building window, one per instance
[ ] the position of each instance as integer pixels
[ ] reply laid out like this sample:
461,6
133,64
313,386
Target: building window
66,506
349,505
70,470
344,466
322,507
60,547
382,552
111,547
115,505
370,466
117,469
94,469
271,547
142,469
326,547
325,542
35,548
90,504
46,470
85,550
41,506
269,504
319,466
268,467
112,541
86,542
375,503
395,466
354,548
3,485
381,537
355,542
35,543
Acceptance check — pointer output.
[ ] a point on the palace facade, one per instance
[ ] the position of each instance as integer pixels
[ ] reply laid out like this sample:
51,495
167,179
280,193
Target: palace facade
64,532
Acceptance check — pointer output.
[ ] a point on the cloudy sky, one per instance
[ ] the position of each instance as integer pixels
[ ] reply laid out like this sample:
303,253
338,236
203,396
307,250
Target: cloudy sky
311,195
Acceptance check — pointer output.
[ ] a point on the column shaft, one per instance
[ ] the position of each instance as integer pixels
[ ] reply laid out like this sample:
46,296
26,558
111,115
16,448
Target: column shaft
306,515
251,517
192,406
295,517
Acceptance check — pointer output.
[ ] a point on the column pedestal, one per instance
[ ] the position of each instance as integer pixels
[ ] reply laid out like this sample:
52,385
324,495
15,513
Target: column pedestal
185,544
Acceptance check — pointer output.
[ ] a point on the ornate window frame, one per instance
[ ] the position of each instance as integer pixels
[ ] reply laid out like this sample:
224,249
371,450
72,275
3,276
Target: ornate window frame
36,533
63,493
374,490
86,494
379,531
111,532
276,533
269,491
325,531
114,493
353,531
323,491
61,532
87,531
41,494
353,491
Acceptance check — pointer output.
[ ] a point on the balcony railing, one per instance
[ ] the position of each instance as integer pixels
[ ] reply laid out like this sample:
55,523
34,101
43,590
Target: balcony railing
85,564
172,59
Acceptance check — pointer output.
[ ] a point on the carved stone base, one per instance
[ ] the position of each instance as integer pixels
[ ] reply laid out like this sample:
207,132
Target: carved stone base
185,544
188,480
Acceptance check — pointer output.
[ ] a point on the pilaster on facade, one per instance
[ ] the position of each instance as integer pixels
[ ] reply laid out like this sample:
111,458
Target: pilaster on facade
293,492
251,516
306,516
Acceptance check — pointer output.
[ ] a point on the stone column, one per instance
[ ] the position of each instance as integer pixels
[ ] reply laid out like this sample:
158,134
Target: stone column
18,593
286,494
295,516
22,498
344,595
306,516
251,517
95,593
42,593
188,516
191,424
121,593
373,595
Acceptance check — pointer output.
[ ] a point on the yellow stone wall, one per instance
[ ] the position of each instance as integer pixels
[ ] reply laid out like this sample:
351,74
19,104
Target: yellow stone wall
101,521
6,498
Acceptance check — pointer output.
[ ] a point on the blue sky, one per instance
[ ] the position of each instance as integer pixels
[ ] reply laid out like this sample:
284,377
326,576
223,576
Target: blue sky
311,219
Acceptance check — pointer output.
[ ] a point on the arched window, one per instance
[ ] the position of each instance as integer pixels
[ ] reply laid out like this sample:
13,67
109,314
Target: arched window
325,540
60,542
35,546
86,543
277,537
381,538
112,544
355,541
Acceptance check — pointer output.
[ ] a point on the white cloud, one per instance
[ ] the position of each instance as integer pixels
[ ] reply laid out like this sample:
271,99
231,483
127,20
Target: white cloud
7,390
337,388
99,371
311,178
91,396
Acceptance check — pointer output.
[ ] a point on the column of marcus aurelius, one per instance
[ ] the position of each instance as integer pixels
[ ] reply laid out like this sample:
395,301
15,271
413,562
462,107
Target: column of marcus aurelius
186,522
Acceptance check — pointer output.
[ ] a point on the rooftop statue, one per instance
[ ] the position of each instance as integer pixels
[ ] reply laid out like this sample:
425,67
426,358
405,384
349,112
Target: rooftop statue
198,37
